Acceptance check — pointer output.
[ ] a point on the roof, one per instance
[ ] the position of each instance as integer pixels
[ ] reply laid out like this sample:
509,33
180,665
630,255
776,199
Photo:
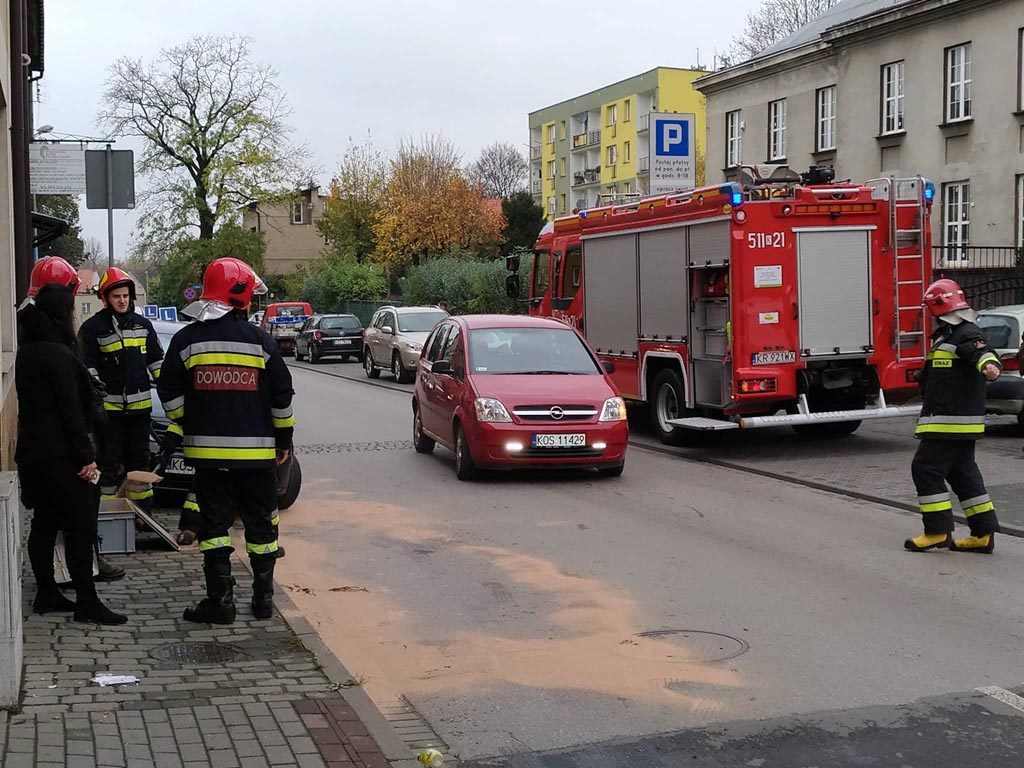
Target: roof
509,321
88,279
842,12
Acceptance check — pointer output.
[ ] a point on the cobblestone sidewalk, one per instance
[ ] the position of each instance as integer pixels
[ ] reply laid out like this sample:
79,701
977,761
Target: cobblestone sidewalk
242,696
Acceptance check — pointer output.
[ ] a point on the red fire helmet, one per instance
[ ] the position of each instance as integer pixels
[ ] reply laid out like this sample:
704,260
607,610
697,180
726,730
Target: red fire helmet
232,283
52,269
944,296
115,278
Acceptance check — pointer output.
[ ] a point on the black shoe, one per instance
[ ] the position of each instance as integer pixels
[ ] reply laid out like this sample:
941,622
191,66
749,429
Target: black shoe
218,607
95,612
208,611
108,571
263,585
51,600
279,553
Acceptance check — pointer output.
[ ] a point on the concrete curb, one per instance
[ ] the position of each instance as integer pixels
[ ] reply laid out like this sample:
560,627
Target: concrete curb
394,749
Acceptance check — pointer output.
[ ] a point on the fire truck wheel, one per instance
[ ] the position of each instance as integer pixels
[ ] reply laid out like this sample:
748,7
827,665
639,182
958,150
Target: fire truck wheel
668,401
833,429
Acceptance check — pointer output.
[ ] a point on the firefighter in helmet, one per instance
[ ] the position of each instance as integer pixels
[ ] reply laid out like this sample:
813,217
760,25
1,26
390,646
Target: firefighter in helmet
952,419
229,394
122,350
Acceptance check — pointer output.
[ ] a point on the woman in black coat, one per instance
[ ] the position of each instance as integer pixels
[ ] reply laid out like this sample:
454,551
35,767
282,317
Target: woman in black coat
55,453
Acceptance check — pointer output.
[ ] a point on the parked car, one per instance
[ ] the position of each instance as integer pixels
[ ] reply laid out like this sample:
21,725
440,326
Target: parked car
256,317
510,392
1002,327
394,338
324,335
282,320
177,476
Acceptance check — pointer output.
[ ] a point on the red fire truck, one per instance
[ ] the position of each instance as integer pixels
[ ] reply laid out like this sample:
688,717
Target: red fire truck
783,299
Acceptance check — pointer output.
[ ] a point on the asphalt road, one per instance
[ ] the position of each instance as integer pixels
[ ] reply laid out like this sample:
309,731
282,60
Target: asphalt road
683,611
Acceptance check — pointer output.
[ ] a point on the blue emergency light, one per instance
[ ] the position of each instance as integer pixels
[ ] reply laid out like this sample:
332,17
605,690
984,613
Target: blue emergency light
735,192
929,191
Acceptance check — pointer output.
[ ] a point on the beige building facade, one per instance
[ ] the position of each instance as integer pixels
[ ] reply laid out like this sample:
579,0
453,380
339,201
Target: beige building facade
288,229
877,88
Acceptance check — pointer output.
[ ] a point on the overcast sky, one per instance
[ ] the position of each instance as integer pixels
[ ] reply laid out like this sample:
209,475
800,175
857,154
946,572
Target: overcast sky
469,69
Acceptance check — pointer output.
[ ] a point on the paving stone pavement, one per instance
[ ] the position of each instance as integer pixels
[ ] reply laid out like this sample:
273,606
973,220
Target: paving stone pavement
268,703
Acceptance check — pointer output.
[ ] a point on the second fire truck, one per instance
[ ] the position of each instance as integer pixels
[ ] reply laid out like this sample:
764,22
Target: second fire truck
784,299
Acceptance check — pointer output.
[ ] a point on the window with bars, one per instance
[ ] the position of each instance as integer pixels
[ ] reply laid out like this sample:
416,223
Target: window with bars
892,97
958,82
733,139
777,130
957,212
826,119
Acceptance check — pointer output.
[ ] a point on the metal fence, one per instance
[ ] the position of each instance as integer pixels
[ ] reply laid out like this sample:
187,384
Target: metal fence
976,257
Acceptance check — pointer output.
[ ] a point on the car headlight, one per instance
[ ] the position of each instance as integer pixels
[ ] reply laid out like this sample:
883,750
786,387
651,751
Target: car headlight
614,410
412,346
489,409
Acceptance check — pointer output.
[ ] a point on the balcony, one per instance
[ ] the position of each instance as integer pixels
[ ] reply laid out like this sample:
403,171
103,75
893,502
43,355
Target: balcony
588,176
535,186
586,139
643,123
976,256
535,152
643,164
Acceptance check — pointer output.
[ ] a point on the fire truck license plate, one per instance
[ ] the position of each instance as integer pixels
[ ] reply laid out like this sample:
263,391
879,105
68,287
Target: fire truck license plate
559,441
774,357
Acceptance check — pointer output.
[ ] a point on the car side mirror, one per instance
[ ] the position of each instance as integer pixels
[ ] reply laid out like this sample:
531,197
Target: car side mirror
441,367
608,365
388,330
512,286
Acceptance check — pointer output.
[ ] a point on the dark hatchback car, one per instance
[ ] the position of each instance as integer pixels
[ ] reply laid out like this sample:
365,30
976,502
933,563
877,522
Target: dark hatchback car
335,335
177,476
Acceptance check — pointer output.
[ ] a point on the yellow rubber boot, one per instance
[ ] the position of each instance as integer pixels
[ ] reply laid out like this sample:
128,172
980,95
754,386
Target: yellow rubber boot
927,541
980,544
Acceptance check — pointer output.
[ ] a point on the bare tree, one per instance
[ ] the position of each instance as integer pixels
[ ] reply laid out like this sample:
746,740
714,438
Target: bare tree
501,170
95,254
773,21
214,122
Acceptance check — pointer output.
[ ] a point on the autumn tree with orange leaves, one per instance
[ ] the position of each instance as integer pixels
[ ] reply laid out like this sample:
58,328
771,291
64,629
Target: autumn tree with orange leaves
428,208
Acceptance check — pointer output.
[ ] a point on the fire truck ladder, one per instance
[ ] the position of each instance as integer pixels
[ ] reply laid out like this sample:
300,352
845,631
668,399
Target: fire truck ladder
910,261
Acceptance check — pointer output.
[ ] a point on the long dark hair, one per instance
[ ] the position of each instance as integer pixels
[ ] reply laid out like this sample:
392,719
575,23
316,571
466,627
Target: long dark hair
58,303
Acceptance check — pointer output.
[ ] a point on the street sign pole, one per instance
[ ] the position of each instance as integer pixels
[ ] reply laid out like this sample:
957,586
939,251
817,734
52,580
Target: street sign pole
110,206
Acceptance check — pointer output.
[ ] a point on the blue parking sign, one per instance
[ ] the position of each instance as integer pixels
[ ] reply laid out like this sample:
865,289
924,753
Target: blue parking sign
151,311
169,314
672,137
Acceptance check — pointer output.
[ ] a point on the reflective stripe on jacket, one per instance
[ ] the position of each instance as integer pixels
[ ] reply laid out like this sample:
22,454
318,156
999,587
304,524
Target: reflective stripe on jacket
952,385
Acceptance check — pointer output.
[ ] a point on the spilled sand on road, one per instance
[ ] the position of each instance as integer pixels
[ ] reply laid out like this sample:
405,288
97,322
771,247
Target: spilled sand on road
393,650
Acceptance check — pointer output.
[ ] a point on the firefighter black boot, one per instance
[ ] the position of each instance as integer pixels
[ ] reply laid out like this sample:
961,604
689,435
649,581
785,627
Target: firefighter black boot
263,585
927,541
983,545
218,607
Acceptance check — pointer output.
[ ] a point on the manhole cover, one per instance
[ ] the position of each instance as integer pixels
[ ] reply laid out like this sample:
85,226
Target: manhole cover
196,653
685,645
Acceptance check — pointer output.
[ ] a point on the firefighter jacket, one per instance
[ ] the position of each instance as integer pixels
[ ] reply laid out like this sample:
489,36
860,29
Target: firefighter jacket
228,393
952,385
123,352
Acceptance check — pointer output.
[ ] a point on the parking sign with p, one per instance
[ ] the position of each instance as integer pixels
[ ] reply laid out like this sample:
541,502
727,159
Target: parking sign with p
672,152
673,138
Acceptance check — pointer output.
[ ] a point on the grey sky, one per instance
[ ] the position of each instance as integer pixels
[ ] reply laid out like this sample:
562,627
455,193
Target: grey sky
469,70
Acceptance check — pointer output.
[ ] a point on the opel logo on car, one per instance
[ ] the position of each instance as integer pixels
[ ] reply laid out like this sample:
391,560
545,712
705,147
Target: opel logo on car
556,413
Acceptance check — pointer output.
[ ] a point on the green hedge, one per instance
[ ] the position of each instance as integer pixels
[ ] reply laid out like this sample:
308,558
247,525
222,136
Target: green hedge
330,284
470,287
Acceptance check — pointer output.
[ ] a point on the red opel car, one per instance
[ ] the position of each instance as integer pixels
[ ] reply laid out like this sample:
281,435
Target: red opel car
511,392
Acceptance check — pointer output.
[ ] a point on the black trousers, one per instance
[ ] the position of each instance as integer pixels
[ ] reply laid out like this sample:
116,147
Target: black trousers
225,495
124,447
60,501
938,462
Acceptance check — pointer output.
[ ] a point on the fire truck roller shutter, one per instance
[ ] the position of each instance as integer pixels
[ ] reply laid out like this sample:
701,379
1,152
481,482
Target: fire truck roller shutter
709,243
834,290
664,302
610,292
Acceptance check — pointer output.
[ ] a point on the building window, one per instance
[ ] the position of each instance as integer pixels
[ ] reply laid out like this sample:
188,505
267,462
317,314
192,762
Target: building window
551,205
1020,212
561,166
627,151
627,108
86,308
613,114
777,130
297,211
627,188
551,169
826,119
957,209
733,139
1020,69
892,97
561,131
561,203
551,133
958,82
613,154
